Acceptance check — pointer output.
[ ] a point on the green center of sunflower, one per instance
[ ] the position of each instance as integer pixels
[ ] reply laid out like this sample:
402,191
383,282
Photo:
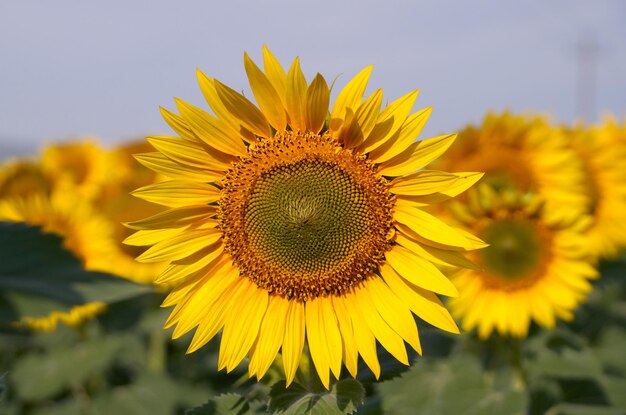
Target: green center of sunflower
304,218
514,250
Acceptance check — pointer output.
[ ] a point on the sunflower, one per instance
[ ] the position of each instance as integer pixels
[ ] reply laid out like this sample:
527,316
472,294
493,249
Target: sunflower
536,267
116,204
524,154
79,164
85,233
22,178
69,216
286,226
604,160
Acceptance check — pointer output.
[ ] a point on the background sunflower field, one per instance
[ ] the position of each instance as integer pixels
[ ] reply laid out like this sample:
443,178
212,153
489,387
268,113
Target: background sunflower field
535,92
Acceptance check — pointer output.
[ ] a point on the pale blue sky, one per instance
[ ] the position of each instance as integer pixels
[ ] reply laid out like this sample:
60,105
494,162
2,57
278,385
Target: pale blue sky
75,68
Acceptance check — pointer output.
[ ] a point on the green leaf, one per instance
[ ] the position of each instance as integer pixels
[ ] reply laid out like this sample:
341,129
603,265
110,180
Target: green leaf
38,275
570,409
390,367
3,387
344,397
46,375
64,407
148,395
456,385
568,364
228,404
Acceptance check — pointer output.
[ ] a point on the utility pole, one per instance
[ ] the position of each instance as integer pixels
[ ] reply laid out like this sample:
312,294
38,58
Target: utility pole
587,51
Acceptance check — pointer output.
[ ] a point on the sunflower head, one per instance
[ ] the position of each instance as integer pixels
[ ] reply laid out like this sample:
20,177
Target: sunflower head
23,178
79,165
536,268
85,232
522,154
602,150
291,220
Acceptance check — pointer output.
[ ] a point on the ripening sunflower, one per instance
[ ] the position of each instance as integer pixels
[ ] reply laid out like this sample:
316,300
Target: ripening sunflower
604,162
536,268
285,227
525,154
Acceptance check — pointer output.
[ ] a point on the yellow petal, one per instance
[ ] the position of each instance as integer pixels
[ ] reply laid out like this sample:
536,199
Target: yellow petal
293,341
207,86
189,153
150,237
315,337
437,256
275,73
416,156
428,182
324,337
397,315
213,132
180,246
389,121
245,111
271,335
419,271
350,348
383,333
363,121
204,260
296,97
428,228
178,193
403,138
161,164
317,100
265,94
214,304
349,97
174,218
363,336
178,124
423,303
242,324
205,296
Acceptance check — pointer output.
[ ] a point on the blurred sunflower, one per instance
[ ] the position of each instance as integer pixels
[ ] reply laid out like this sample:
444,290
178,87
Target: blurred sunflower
283,223
73,318
535,269
523,154
69,216
116,204
604,162
23,178
80,165
86,234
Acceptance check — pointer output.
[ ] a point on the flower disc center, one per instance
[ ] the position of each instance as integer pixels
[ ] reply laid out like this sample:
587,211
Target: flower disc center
514,251
303,218
306,217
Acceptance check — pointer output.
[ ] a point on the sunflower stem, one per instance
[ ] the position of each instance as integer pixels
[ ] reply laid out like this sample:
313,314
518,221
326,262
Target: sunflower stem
156,351
516,362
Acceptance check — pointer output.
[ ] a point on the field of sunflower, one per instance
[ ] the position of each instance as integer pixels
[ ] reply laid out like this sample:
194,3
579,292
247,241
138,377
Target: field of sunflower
277,253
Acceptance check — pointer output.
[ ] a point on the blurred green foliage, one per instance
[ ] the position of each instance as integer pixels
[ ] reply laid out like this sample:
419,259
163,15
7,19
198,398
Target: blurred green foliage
123,362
